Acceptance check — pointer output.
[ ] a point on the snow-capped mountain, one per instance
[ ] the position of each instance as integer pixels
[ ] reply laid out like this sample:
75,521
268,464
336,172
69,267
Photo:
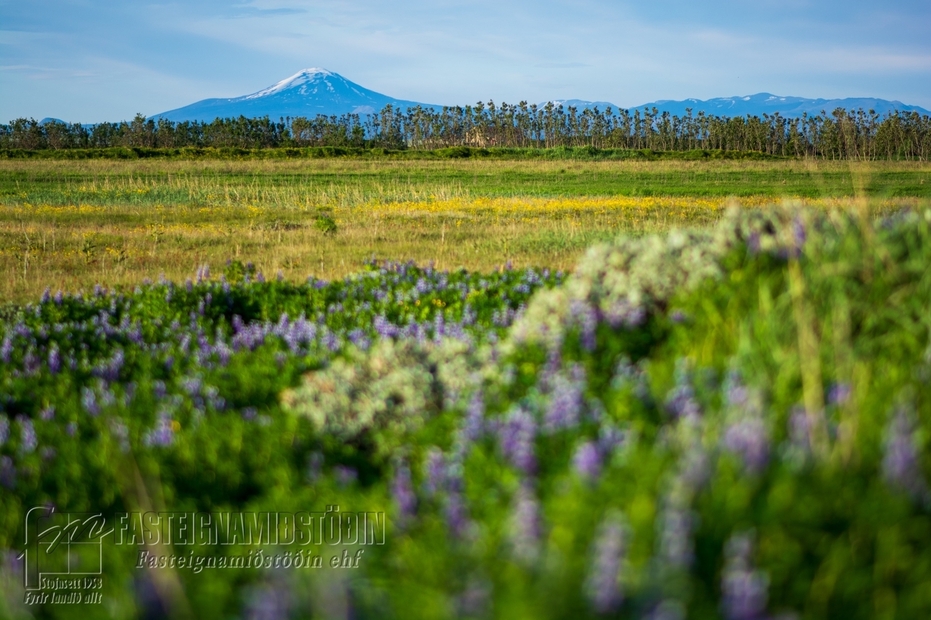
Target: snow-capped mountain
307,93
765,103
317,91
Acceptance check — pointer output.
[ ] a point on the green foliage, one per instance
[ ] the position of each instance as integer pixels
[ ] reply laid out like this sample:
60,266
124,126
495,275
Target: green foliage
689,422
382,397
469,130
325,224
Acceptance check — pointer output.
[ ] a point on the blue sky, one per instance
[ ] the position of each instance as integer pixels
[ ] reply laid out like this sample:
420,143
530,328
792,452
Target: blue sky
98,60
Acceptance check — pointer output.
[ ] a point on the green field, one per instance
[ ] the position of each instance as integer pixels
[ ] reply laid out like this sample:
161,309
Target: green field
72,224
347,181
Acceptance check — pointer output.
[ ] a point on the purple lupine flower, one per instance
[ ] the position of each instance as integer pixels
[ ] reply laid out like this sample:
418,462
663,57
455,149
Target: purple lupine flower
587,461
474,600
749,439
566,400
695,466
900,465
71,429
4,428
608,548
610,438
192,385
210,397
585,318
31,362
839,394
624,373
526,526
736,393
269,601
7,472
669,609
798,235
744,591
27,435
107,397
681,402
162,434
331,341
384,328
434,472
89,401
54,360
800,429
517,436
546,382
675,535
622,313
474,418
110,371
439,326
47,413
344,475
403,493
455,513
358,338
314,466
121,433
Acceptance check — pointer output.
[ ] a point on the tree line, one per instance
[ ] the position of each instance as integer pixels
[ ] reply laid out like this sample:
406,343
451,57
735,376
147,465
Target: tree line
842,134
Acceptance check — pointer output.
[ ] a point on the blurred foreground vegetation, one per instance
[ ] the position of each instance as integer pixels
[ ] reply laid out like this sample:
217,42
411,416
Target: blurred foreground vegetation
728,422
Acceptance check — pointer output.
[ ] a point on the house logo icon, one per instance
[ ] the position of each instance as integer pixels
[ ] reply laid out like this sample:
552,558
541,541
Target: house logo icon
62,545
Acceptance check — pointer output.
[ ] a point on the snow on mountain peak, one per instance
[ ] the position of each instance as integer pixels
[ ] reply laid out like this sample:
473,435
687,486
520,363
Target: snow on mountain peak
300,78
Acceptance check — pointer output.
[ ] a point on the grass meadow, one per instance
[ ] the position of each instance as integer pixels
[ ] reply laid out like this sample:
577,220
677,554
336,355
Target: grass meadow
72,224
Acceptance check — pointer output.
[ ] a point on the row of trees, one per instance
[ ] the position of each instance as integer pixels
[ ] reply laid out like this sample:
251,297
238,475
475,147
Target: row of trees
841,134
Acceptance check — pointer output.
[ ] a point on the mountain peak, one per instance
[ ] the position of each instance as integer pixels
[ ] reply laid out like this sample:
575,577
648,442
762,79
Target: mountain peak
302,77
307,93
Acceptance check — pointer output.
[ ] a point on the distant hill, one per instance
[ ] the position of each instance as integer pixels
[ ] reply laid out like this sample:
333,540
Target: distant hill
765,103
307,93
317,91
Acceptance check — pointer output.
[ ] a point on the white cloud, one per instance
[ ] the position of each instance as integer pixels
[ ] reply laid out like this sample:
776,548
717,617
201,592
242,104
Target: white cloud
157,57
